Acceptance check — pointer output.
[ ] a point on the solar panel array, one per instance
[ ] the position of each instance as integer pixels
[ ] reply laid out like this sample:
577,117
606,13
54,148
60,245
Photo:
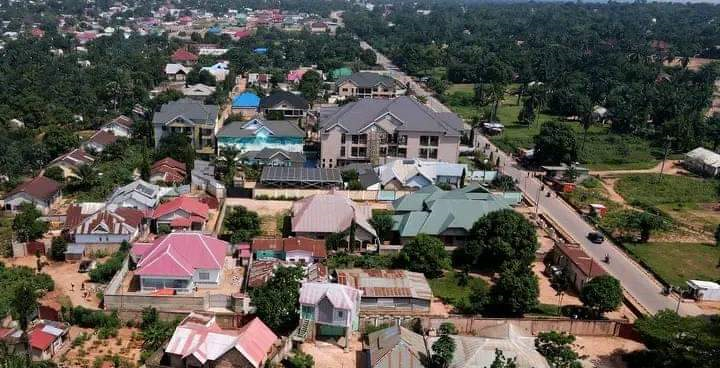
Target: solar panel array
300,175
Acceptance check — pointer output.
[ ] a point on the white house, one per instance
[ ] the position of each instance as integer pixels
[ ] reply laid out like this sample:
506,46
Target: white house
121,126
139,194
219,70
108,227
41,191
703,161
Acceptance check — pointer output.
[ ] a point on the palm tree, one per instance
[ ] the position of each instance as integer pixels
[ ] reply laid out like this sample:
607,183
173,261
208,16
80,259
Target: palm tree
536,97
85,176
496,94
23,301
226,163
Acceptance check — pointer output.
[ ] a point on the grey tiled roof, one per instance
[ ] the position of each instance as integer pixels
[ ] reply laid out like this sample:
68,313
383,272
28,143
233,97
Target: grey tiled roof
269,153
296,101
369,80
410,113
279,128
195,111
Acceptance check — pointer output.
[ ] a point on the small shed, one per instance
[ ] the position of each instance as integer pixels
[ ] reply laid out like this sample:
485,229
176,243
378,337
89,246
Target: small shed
703,161
35,247
704,290
598,209
74,252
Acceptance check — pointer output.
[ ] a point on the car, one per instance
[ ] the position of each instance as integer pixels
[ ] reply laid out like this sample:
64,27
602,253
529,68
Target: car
86,266
596,237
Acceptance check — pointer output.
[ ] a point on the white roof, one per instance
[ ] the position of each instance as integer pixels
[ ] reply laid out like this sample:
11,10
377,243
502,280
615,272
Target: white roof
52,330
404,169
341,296
176,68
705,155
699,284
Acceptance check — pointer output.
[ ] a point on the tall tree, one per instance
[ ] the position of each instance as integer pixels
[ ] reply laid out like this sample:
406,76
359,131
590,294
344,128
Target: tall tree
24,302
276,302
602,294
27,223
555,144
424,254
310,85
498,238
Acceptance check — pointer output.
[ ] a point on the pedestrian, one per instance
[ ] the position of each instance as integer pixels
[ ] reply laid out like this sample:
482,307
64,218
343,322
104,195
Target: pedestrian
542,188
82,286
72,286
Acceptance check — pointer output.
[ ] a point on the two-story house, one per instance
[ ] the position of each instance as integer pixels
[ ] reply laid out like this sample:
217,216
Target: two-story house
382,130
284,105
190,117
329,309
368,85
258,134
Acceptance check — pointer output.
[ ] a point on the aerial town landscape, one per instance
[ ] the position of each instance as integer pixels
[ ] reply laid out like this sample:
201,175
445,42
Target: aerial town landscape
359,184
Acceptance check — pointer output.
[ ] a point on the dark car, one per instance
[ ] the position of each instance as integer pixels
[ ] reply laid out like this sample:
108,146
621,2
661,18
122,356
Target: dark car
596,237
86,266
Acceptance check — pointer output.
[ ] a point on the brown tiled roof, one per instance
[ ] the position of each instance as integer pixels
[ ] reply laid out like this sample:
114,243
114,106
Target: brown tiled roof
132,216
314,246
103,137
73,217
581,260
39,187
267,244
123,120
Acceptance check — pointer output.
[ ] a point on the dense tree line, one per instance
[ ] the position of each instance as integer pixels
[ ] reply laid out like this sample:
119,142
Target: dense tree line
573,49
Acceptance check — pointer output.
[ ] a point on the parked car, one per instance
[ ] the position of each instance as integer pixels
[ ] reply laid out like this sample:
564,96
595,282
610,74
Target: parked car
596,237
86,266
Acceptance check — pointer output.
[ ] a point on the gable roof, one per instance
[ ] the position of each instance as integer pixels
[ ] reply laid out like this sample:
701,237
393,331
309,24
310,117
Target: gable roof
183,55
403,170
172,68
704,155
39,187
191,206
382,283
74,158
277,128
103,138
202,338
180,254
406,113
246,100
396,344
169,162
188,109
108,222
340,296
122,120
294,100
369,80
329,213
271,153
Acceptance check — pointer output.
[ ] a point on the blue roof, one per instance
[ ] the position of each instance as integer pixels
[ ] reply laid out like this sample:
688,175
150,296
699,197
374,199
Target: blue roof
261,50
215,30
246,100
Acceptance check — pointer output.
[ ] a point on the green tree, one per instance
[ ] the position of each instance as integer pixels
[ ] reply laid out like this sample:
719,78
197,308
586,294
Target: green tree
243,225
310,85
673,341
58,140
276,302
502,182
443,350
23,302
557,350
177,146
447,328
516,291
555,144
717,236
383,223
502,362
424,254
58,248
602,294
499,237
300,360
54,173
27,223
478,299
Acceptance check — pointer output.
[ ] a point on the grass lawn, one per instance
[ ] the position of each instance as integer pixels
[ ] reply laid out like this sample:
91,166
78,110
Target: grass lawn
650,189
602,151
447,288
678,262
460,87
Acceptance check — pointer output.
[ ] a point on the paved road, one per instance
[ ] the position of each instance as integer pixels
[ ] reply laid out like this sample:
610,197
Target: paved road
398,74
640,284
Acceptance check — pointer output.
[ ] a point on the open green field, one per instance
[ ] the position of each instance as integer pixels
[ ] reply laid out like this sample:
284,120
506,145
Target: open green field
678,262
670,189
602,150
447,288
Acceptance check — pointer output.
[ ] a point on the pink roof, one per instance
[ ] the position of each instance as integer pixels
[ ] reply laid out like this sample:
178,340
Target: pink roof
40,339
329,213
191,206
180,222
201,337
180,254
242,34
140,249
295,75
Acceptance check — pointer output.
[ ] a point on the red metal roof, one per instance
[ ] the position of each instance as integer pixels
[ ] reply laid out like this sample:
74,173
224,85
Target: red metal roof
103,137
40,340
40,187
182,55
581,260
189,205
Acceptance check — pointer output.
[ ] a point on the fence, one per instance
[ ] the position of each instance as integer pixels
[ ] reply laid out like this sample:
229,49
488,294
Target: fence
532,326
356,195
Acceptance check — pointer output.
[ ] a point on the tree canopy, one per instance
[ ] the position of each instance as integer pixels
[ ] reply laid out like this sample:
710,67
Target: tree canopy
277,300
424,254
602,294
499,237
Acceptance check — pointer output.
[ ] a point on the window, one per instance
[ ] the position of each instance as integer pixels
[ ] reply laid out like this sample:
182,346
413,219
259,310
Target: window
354,151
359,139
383,151
340,314
204,276
402,152
431,140
428,144
342,151
358,151
430,153
342,138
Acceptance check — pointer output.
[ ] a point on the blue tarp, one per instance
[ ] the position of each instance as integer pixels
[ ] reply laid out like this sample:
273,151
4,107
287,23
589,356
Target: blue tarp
246,100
